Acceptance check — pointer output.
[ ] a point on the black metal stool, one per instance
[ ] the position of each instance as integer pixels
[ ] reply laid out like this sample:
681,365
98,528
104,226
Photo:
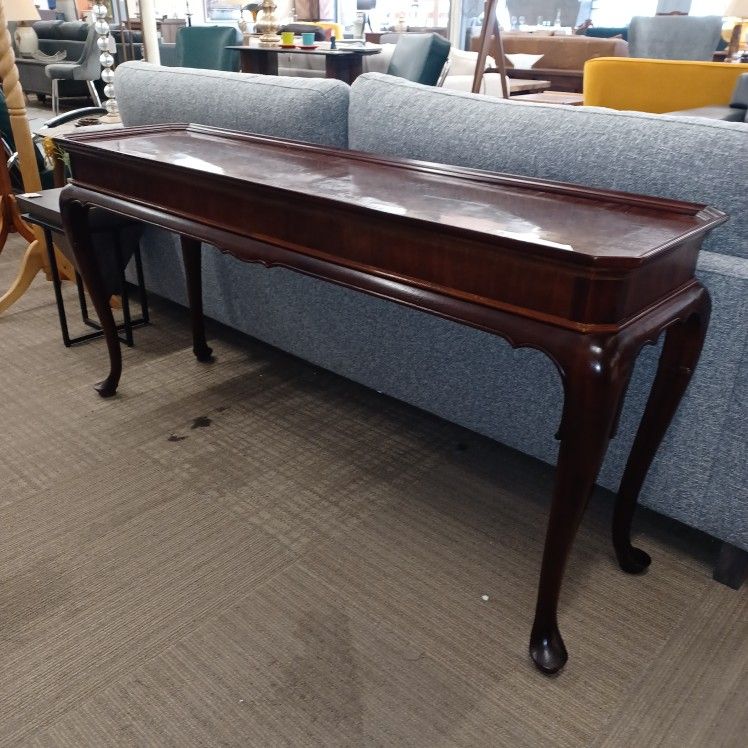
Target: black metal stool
43,209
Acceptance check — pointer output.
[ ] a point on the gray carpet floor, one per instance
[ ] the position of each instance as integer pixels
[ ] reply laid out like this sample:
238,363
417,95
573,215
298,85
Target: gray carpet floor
260,553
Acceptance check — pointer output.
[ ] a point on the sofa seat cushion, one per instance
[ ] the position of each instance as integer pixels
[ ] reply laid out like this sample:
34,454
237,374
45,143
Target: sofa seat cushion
48,29
311,110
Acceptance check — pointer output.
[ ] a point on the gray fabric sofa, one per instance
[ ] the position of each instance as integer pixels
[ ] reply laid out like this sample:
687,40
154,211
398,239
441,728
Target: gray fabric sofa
464,375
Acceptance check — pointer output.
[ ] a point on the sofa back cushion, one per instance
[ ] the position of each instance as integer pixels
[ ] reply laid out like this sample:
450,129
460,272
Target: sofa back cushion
675,157
315,111
674,37
74,31
48,29
205,47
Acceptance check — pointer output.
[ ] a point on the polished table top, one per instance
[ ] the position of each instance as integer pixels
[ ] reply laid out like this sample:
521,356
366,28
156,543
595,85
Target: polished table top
427,224
544,216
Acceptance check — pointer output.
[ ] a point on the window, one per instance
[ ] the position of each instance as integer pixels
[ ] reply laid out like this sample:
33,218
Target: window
616,13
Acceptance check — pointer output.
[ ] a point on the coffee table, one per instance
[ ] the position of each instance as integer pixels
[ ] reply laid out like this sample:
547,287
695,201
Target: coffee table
343,64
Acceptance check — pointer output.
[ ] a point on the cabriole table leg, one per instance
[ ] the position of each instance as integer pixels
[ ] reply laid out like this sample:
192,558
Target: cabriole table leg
75,220
595,380
192,256
684,340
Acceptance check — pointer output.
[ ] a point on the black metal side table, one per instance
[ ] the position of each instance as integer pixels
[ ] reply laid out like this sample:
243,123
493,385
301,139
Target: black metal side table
43,209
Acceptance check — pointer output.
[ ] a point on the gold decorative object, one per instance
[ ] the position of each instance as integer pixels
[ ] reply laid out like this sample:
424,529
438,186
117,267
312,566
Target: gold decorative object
268,24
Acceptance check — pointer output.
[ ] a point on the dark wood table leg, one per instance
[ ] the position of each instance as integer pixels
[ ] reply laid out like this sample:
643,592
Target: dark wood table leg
595,380
345,68
684,340
258,62
192,256
75,220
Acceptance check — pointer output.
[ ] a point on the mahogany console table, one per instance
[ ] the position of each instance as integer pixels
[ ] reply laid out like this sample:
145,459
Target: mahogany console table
586,276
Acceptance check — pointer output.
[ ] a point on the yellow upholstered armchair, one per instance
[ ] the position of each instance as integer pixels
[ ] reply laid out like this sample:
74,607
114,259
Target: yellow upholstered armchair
658,85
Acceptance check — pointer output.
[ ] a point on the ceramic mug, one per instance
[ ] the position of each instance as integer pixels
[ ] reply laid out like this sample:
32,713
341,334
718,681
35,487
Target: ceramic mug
307,39
287,38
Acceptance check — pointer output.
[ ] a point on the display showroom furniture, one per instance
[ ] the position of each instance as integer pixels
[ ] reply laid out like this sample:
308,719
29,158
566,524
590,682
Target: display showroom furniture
659,86
419,58
674,37
207,47
591,305
87,69
115,239
735,111
563,56
463,375
460,70
342,64
69,37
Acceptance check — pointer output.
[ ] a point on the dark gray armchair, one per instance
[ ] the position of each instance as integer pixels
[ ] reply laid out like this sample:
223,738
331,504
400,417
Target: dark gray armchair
674,37
87,68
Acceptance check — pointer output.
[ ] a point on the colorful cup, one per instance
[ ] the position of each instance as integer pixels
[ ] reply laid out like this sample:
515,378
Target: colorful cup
287,38
307,39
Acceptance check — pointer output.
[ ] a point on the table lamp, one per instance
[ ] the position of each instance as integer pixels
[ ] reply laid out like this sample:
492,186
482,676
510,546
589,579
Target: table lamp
25,37
735,29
